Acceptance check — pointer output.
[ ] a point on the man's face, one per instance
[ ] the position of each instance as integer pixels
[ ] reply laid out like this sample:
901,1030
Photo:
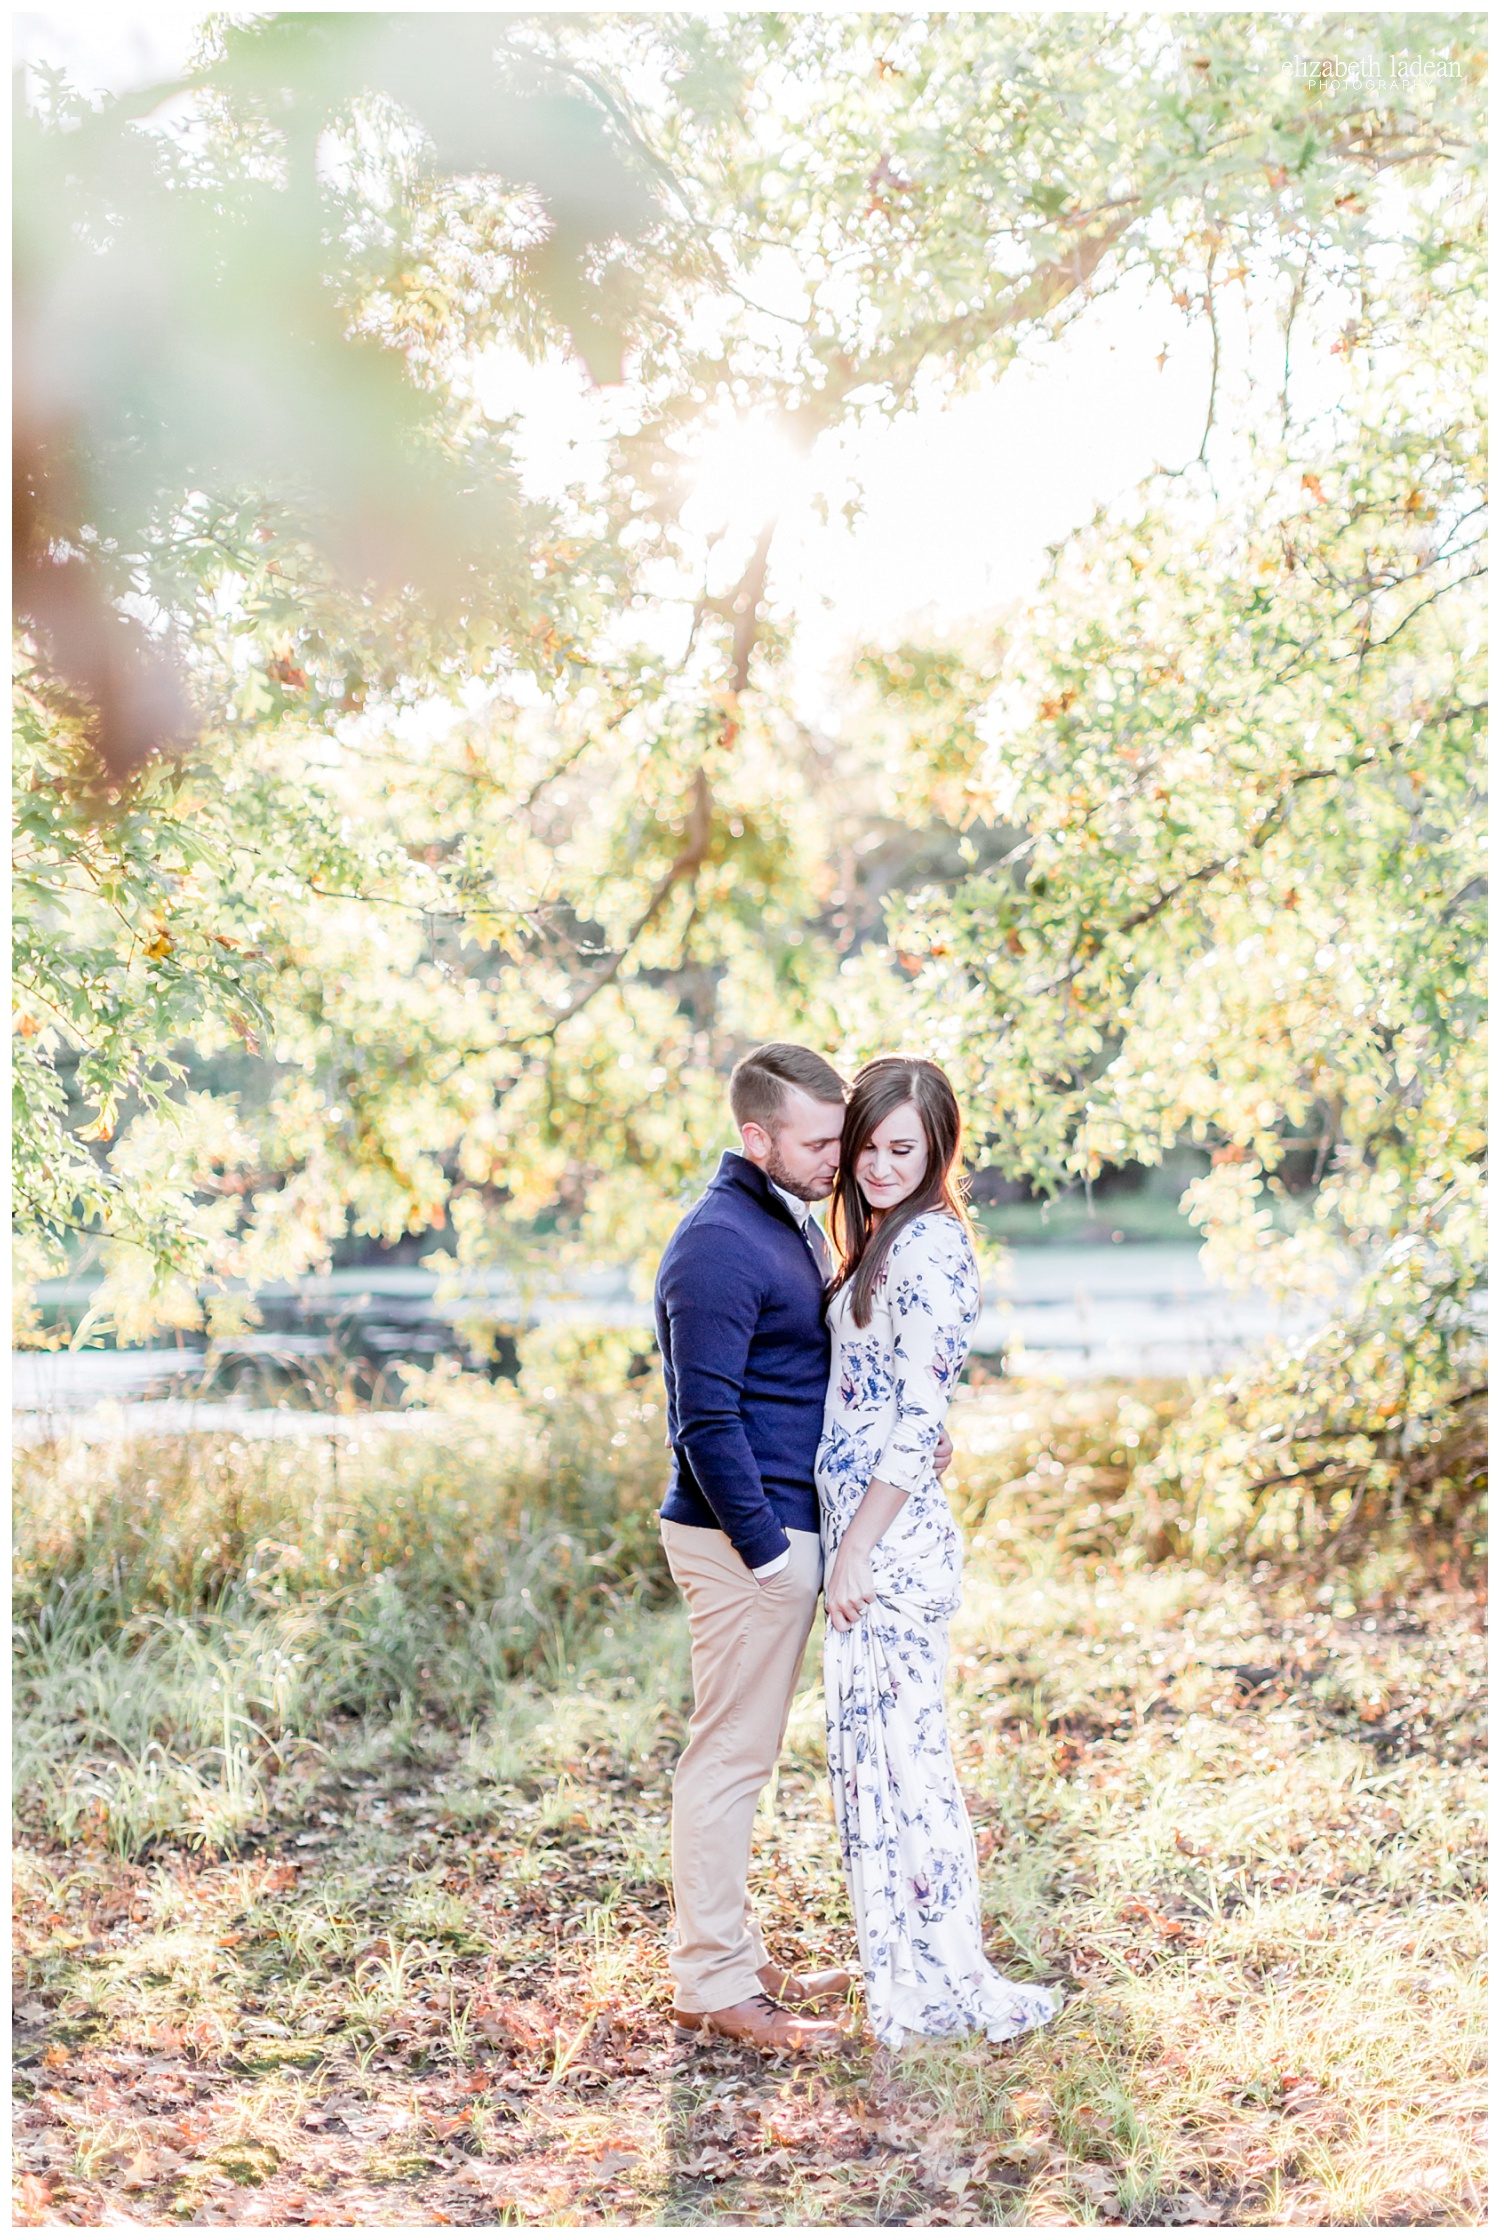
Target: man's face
800,1149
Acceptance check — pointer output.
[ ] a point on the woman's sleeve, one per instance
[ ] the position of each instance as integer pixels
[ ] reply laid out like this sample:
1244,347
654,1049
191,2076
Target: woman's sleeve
933,1288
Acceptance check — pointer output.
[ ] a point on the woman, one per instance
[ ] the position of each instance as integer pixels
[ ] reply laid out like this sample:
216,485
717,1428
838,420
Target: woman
901,1309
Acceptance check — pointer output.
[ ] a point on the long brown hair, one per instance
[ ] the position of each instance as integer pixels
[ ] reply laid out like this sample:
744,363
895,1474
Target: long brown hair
878,1088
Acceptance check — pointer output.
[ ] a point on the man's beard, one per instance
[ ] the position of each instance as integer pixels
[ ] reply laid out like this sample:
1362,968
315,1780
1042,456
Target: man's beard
778,1174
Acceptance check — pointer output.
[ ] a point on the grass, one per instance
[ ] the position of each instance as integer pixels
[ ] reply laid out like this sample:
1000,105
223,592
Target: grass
326,1941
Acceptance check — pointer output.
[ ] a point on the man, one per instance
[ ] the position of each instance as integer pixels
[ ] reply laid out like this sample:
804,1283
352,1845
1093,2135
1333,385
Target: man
745,1358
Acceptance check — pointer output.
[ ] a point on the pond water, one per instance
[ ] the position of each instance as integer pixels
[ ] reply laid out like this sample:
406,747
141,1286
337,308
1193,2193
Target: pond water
1070,1310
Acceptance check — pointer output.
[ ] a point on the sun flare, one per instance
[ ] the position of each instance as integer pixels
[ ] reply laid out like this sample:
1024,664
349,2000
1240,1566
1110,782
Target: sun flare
746,472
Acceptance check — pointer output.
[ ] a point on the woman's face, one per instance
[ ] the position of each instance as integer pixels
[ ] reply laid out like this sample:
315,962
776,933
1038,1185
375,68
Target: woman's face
893,1161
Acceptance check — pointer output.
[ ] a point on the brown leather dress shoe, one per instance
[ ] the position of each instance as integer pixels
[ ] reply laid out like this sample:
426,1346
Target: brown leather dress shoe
822,1989
765,2025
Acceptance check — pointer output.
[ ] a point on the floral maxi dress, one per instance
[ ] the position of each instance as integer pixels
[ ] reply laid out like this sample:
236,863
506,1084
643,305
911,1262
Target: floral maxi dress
907,1844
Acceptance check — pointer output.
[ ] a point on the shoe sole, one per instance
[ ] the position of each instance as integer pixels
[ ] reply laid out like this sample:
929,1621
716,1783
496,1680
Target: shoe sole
692,2029
813,2009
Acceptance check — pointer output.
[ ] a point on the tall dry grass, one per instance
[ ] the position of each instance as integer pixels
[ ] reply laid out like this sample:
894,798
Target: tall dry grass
187,1609
191,1611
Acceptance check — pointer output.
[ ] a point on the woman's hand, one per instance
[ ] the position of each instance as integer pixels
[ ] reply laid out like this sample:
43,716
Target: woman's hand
851,1585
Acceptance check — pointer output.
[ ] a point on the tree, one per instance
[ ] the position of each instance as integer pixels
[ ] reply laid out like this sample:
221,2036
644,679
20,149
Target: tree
233,288
257,502
463,941
1243,741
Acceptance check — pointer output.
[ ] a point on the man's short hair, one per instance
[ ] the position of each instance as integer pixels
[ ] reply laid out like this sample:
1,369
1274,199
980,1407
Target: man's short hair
758,1084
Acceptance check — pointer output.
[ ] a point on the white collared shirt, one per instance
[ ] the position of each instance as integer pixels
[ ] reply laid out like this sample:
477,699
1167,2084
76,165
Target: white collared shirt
800,1210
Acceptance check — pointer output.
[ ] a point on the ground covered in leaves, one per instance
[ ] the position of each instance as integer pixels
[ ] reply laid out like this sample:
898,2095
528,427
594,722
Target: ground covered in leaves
1244,1832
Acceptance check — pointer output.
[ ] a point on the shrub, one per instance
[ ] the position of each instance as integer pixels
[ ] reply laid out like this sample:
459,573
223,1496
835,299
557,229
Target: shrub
187,1607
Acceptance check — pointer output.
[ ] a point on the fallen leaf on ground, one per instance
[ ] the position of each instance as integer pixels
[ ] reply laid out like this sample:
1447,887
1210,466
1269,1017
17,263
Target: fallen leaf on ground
36,2194
1136,1908
147,2169
708,2161
1191,2207
1099,2186
1300,2089
448,2126
1024,2153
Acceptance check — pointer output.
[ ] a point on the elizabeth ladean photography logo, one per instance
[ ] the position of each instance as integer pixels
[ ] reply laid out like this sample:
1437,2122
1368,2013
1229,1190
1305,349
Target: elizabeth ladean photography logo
1385,69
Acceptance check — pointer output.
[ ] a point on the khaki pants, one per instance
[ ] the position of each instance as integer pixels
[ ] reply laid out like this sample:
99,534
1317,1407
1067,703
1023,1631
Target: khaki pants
748,1636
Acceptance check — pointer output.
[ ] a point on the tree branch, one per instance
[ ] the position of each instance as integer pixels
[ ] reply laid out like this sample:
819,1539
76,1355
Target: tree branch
690,860
745,610
1295,305
1213,377
1206,871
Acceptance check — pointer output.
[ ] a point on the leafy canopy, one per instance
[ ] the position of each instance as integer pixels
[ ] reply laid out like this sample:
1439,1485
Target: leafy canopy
500,819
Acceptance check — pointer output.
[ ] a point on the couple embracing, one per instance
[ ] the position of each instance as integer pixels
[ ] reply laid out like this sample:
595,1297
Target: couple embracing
806,1397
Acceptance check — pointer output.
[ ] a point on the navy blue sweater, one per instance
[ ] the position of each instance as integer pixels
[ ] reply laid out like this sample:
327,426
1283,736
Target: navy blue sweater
745,1356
